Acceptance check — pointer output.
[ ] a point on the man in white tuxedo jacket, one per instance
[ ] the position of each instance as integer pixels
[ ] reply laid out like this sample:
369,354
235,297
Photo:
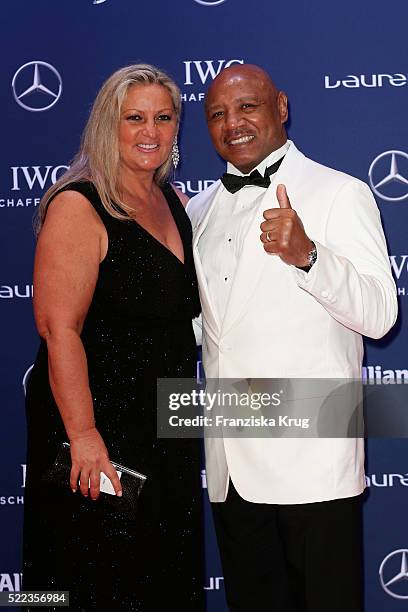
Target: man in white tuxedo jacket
293,271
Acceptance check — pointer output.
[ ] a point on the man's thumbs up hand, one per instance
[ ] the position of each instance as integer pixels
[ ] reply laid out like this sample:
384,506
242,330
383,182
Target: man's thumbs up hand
282,197
283,233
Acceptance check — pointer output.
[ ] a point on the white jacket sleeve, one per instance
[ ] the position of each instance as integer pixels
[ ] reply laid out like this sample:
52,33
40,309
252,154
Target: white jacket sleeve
352,277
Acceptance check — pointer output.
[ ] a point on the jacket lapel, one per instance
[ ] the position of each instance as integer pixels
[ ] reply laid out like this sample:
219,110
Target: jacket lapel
207,203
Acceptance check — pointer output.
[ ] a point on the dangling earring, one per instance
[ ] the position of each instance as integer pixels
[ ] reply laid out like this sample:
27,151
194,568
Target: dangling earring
175,153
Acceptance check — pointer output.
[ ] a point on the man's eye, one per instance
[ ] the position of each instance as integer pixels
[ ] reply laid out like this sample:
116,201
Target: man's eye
248,105
216,115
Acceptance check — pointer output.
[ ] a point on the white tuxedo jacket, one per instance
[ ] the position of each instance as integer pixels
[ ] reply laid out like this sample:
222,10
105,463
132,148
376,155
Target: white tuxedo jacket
282,322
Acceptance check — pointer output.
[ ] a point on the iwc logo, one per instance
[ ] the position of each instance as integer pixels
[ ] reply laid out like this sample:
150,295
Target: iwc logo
37,86
393,574
387,175
201,72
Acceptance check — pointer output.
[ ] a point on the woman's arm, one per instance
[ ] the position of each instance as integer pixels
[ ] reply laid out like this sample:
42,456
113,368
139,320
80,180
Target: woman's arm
71,245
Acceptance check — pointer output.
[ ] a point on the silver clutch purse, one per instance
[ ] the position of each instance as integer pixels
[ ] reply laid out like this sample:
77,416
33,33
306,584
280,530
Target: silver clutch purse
132,482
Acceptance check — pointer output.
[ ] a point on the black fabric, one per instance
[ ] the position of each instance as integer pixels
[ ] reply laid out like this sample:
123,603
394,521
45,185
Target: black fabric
234,183
291,558
138,328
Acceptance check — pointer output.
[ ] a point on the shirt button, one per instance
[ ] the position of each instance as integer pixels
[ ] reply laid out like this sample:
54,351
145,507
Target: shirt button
226,278
324,294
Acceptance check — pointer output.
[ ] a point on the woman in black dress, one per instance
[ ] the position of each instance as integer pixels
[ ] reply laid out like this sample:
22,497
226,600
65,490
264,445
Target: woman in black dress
115,293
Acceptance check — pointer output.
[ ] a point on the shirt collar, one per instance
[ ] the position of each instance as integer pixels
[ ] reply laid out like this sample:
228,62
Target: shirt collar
268,161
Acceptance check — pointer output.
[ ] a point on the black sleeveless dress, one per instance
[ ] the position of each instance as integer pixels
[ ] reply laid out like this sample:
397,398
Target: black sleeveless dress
138,328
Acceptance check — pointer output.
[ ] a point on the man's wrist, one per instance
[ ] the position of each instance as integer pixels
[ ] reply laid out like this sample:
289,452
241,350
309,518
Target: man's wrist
311,258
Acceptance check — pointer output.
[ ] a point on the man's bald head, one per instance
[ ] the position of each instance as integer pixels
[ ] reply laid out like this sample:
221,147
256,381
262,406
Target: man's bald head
246,115
237,73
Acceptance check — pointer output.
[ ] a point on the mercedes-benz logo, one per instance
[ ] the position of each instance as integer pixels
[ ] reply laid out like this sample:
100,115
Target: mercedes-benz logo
209,2
35,82
394,574
386,178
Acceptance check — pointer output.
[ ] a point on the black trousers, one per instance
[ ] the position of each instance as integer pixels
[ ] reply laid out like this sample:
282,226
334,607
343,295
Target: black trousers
291,558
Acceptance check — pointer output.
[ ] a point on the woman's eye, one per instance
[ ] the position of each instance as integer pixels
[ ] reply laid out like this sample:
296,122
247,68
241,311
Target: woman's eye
164,118
134,117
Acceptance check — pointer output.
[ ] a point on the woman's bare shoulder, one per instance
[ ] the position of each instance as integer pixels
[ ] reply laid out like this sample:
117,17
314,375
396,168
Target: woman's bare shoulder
73,207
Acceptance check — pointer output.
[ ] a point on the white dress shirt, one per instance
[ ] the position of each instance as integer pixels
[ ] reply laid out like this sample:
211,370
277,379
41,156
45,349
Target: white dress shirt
221,244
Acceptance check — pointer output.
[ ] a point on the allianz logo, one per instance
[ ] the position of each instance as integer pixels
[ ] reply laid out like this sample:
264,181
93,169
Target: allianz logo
366,80
376,374
8,292
11,582
386,480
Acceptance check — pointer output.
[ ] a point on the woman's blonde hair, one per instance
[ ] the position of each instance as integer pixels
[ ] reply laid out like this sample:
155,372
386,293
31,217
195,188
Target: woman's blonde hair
98,157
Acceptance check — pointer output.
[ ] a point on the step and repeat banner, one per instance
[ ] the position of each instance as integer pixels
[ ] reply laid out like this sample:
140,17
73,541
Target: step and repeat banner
344,67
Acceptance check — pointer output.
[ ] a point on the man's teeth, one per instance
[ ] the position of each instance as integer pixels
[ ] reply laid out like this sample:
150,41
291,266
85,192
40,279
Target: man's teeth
148,146
242,140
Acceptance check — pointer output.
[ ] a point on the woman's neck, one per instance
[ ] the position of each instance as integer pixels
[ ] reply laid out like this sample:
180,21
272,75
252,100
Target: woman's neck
138,188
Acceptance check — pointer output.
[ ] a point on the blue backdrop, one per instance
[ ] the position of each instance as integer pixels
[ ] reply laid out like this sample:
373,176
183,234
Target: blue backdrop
342,66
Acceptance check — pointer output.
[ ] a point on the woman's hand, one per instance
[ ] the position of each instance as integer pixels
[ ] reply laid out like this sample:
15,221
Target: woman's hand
89,458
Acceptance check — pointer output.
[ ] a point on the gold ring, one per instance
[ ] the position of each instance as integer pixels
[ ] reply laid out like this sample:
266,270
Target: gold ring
268,238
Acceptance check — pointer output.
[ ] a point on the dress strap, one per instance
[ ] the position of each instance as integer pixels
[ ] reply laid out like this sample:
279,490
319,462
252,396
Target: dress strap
89,191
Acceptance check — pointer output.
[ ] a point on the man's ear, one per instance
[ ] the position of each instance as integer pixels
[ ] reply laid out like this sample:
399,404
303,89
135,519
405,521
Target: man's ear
283,106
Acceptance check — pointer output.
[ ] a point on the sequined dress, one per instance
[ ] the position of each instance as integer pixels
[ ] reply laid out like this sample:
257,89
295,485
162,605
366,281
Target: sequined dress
138,328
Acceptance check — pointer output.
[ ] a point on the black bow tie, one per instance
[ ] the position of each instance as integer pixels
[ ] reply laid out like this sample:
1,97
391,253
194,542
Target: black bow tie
234,183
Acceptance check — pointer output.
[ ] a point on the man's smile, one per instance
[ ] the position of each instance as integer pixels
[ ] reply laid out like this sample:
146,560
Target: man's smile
241,140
